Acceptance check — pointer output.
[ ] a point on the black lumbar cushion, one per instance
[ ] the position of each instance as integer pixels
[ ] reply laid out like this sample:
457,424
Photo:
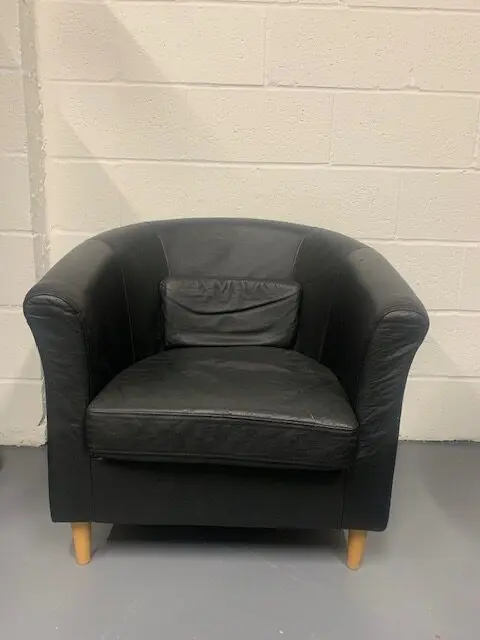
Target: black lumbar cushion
229,311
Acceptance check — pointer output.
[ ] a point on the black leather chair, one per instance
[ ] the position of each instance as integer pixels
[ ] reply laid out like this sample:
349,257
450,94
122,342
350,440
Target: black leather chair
224,372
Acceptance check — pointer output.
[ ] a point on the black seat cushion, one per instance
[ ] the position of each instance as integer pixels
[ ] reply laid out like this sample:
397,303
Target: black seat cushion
252,406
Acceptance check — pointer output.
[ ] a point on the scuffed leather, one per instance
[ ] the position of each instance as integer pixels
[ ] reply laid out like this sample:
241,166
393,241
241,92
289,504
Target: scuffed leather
229,311
98,311
234,405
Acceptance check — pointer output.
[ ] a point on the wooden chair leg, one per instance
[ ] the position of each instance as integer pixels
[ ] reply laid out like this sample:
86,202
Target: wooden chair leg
355,548
82,541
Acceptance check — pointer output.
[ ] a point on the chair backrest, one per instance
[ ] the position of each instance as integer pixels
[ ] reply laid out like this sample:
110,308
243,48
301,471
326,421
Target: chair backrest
222,250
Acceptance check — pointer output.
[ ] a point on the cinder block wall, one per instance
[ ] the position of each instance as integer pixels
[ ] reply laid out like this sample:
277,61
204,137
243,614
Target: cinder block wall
21,406
361,116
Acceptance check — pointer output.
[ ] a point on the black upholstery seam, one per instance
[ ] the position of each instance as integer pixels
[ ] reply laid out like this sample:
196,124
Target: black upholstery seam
280,281
165,254
297,253
344,489
329,315
127,302
188,416
92,497
149,454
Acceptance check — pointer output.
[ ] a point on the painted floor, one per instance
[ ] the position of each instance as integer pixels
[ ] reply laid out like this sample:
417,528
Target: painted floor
420,579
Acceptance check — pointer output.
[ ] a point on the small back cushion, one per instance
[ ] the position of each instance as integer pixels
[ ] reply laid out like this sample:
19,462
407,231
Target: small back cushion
229,312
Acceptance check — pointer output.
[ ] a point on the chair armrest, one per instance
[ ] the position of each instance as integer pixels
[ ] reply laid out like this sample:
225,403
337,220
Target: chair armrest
79,316
83,298
376,325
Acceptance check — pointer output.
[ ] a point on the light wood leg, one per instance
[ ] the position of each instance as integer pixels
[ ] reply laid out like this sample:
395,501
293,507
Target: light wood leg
82,541
355,548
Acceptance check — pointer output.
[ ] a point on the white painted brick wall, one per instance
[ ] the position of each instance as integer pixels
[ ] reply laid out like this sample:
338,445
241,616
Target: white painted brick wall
218,44
19,357
91,196
13,133
188,123
373,49
14,193
440,206
311,48
9,35
357,115
470,284
452,348
21,408
21,402
441,408
17,263
404,130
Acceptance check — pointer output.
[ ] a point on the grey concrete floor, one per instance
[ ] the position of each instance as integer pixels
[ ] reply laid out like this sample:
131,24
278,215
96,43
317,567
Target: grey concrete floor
420,579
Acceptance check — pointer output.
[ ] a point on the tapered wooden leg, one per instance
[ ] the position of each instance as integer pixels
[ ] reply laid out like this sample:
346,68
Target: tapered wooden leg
355,548
82,541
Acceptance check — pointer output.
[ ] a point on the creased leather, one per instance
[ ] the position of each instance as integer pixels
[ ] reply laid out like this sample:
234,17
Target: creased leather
229,311
242,405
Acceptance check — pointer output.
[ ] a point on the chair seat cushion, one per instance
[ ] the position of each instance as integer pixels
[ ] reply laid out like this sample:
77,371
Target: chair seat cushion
250,406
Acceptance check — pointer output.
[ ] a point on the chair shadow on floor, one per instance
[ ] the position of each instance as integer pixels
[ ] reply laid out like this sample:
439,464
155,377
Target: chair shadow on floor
159,539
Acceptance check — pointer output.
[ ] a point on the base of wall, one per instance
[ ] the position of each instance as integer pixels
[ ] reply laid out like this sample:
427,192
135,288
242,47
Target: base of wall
25,436
37,437
437,441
